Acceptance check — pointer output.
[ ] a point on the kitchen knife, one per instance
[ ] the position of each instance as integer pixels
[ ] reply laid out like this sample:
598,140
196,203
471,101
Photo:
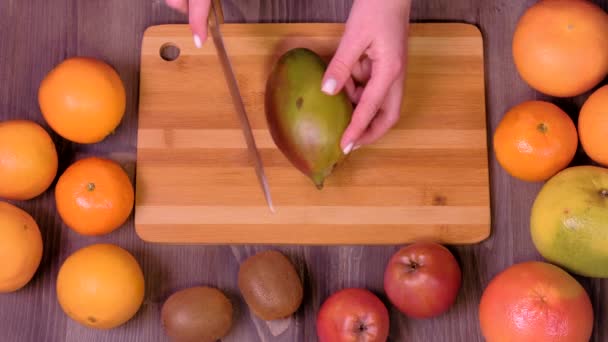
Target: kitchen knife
238,101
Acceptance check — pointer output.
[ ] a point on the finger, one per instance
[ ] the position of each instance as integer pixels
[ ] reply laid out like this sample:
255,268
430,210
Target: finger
351,90
179,5
356,96
387,117
383,76
362,71
339,69
198,11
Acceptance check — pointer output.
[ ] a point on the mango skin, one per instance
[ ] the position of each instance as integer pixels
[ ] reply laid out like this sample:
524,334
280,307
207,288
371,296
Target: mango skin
305,123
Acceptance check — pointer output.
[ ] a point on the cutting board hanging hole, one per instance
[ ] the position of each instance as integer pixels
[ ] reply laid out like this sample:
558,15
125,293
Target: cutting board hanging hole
169,52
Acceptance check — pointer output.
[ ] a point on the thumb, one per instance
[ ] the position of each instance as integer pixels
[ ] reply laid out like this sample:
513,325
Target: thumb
339,69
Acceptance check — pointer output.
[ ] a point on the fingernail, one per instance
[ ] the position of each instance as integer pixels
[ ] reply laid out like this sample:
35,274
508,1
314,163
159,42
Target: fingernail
197,41
356,147
348,148
329,86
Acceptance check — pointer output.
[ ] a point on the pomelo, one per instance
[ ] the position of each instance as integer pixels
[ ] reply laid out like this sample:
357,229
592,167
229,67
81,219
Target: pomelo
569,220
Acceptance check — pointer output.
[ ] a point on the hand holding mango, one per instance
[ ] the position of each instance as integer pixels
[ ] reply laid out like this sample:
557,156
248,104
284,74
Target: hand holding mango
369,63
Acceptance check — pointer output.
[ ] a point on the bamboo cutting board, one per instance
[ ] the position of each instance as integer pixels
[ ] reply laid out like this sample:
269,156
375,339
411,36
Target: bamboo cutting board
426,179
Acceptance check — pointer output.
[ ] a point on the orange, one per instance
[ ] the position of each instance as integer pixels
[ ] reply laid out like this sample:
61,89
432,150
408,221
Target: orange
593,126
535,301
560,47
94,196
20,247
535,140
83,99
100,286
28,160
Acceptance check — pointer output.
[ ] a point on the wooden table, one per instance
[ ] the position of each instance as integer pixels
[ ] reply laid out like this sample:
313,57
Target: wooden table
36,35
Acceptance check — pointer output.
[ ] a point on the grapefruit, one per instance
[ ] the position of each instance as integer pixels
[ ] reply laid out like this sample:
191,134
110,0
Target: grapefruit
28,160
100,286
83,99
569,220
535,301
593,126
20,247
560,47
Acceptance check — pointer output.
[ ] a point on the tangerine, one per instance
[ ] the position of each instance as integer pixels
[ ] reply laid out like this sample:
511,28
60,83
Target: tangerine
94,196
535,140
83,99
560,47
20,247
100,286
593,126
28,160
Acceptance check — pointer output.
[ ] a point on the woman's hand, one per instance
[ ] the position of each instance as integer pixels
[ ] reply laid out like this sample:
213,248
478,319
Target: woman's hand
198,11
372,52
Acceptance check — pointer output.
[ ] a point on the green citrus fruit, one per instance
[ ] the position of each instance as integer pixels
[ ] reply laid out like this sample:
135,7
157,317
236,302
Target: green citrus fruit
569,220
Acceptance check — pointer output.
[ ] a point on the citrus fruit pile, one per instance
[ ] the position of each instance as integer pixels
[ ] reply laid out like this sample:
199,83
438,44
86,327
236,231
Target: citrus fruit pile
560,49
83,101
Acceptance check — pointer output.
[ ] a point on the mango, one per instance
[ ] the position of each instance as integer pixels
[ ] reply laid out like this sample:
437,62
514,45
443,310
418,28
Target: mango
306,125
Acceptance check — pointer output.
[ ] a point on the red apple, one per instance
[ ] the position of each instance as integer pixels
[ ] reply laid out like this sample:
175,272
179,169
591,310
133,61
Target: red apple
353,315
422,280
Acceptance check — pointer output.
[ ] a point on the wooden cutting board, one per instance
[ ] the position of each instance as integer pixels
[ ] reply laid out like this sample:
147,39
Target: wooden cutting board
426,179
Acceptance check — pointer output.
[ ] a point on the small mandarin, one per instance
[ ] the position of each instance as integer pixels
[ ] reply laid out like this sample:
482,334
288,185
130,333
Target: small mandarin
535,140
94,196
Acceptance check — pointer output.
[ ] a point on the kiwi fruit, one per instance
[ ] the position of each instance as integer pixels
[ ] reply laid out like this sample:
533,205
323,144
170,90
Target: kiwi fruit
270,285
202,314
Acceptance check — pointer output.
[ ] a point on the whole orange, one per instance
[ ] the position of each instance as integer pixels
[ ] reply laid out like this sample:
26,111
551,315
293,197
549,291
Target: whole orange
100,286
28,160
83,99
560,47
20,247
593,126
535,140
94,196
535,301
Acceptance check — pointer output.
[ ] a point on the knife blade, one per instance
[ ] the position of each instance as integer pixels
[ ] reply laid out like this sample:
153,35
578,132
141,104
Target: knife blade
237,100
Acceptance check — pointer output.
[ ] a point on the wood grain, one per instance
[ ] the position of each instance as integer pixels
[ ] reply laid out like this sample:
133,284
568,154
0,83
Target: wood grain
36,35
190,145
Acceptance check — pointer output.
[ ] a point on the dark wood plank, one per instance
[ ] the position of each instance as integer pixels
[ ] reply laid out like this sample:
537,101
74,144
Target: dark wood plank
36,35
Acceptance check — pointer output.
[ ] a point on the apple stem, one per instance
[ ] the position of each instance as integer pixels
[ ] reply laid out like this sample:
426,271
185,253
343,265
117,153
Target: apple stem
413,266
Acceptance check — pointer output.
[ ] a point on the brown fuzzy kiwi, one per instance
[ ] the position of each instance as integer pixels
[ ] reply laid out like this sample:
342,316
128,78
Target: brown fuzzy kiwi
270,285
197,314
